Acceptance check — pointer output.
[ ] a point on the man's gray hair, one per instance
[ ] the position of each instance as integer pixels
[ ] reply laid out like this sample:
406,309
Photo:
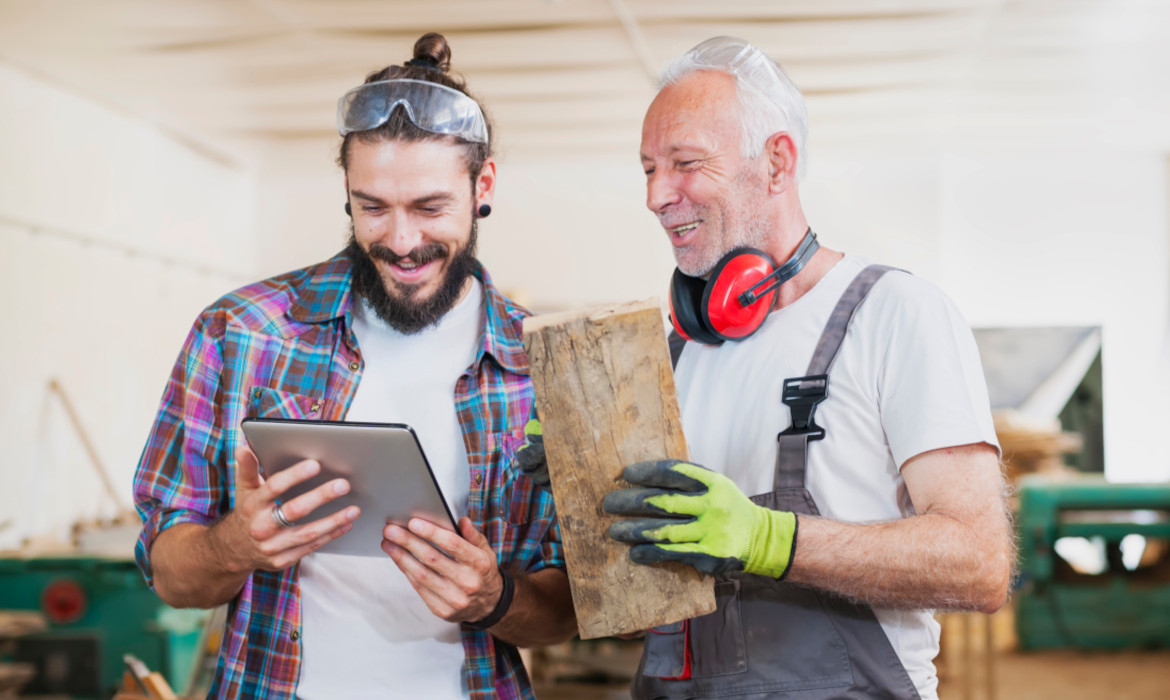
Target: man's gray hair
769,101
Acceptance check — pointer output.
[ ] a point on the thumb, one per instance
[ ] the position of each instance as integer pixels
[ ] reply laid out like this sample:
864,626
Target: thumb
472,534
247,469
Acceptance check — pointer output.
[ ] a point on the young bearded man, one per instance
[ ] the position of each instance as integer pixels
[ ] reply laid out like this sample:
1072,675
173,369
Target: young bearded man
403,326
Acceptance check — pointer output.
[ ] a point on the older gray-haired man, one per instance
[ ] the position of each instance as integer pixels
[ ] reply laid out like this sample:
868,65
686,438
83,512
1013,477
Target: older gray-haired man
882,498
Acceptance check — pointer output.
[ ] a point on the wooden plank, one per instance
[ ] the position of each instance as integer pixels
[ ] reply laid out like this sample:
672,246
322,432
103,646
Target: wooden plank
606,395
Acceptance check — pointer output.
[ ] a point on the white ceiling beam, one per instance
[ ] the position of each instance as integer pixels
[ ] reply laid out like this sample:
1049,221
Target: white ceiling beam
449,15
638,41
655,11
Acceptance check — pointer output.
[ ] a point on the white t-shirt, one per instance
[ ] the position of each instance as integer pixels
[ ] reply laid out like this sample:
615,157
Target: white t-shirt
906,380
365,632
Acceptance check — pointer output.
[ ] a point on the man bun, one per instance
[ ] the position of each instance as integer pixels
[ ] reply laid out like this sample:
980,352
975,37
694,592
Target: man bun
432,48
431,61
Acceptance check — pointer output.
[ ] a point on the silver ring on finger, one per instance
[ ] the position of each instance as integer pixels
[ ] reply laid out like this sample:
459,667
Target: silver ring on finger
279,519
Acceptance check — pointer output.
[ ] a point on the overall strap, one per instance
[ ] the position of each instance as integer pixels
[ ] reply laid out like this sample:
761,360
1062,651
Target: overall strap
803,394
838,324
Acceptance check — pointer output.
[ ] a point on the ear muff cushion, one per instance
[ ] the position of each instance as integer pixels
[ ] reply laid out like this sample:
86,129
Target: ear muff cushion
686,294
734,274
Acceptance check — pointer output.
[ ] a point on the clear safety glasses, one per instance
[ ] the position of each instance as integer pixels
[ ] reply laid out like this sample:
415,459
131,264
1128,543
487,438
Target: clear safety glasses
740,58
430,106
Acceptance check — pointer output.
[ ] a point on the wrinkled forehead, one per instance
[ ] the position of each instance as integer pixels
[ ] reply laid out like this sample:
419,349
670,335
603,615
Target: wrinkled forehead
701,107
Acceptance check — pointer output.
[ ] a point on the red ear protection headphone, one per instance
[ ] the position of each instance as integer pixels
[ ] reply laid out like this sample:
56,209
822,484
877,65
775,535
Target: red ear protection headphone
735,299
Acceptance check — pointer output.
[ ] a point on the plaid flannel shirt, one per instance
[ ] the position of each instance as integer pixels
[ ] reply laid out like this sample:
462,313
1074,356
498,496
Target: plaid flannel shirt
284,347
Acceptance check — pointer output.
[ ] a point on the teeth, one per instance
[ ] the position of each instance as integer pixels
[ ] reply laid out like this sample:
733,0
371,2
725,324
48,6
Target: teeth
680,230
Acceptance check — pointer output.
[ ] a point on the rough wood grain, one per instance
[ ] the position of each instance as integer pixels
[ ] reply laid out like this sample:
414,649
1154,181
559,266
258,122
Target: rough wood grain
606,395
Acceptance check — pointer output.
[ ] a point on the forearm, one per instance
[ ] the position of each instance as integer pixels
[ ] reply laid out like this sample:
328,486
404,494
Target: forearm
541,612
191,570
931,561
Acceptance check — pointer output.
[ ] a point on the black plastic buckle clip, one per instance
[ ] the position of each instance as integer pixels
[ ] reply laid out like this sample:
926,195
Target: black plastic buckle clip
801,395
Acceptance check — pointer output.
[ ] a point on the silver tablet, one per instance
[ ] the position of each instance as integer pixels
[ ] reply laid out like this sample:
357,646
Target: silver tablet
389,477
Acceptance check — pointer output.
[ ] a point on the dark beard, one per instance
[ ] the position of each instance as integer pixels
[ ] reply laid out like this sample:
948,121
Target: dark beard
403,312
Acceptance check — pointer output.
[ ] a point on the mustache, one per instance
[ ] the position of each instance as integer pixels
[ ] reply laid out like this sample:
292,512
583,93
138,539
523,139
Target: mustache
678,218
420,255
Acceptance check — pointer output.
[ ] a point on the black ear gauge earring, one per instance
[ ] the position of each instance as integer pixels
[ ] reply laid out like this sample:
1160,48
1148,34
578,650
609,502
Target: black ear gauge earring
348,210
484,210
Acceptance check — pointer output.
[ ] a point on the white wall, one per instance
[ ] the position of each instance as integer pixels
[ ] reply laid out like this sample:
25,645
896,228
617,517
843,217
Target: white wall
1027,232
882,204
1052,237
300,220
113,235
570,235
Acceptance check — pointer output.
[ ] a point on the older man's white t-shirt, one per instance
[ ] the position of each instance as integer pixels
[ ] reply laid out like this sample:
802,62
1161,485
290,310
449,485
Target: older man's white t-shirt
907,380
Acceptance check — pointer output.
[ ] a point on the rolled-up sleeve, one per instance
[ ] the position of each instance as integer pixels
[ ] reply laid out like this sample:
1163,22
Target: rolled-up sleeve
552,552
180,478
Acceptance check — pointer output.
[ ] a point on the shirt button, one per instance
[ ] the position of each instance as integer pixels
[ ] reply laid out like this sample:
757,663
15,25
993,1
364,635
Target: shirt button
295,635
478,479
256,392
353,366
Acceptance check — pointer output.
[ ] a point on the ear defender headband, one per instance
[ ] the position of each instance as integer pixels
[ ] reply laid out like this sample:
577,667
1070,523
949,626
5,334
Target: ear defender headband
732,303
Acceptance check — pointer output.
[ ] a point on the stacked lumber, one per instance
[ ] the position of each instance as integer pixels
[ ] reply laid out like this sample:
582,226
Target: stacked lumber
13,624
112,538
1032,446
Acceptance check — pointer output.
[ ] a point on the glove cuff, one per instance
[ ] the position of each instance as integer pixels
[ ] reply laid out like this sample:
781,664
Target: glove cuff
774,543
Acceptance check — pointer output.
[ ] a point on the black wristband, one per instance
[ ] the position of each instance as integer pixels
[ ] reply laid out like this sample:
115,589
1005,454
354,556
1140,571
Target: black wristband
501,608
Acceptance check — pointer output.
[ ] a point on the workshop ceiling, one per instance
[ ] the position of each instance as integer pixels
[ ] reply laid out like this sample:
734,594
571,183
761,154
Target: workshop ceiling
565,77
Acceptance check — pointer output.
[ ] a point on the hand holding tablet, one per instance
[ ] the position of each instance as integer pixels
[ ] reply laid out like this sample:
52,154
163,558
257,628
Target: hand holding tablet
388,475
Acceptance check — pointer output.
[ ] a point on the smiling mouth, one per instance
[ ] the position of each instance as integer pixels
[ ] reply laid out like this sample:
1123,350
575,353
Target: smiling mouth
680,231
412,260
406,272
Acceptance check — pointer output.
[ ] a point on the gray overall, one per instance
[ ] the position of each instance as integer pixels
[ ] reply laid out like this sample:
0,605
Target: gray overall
775,639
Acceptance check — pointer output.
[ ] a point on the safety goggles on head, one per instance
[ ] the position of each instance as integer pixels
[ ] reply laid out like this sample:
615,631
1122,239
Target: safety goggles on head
739,58
430,106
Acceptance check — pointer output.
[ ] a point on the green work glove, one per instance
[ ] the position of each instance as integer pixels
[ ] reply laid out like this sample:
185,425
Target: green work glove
708,524
530,457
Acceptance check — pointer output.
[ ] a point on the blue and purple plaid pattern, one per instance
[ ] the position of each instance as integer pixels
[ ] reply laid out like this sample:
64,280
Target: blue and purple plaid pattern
284,347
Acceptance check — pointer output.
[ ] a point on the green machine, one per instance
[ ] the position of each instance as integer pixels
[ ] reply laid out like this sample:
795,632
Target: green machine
98,609
1118,608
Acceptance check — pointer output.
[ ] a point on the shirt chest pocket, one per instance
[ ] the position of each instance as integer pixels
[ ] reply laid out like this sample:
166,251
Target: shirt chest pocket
515,504
264,402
